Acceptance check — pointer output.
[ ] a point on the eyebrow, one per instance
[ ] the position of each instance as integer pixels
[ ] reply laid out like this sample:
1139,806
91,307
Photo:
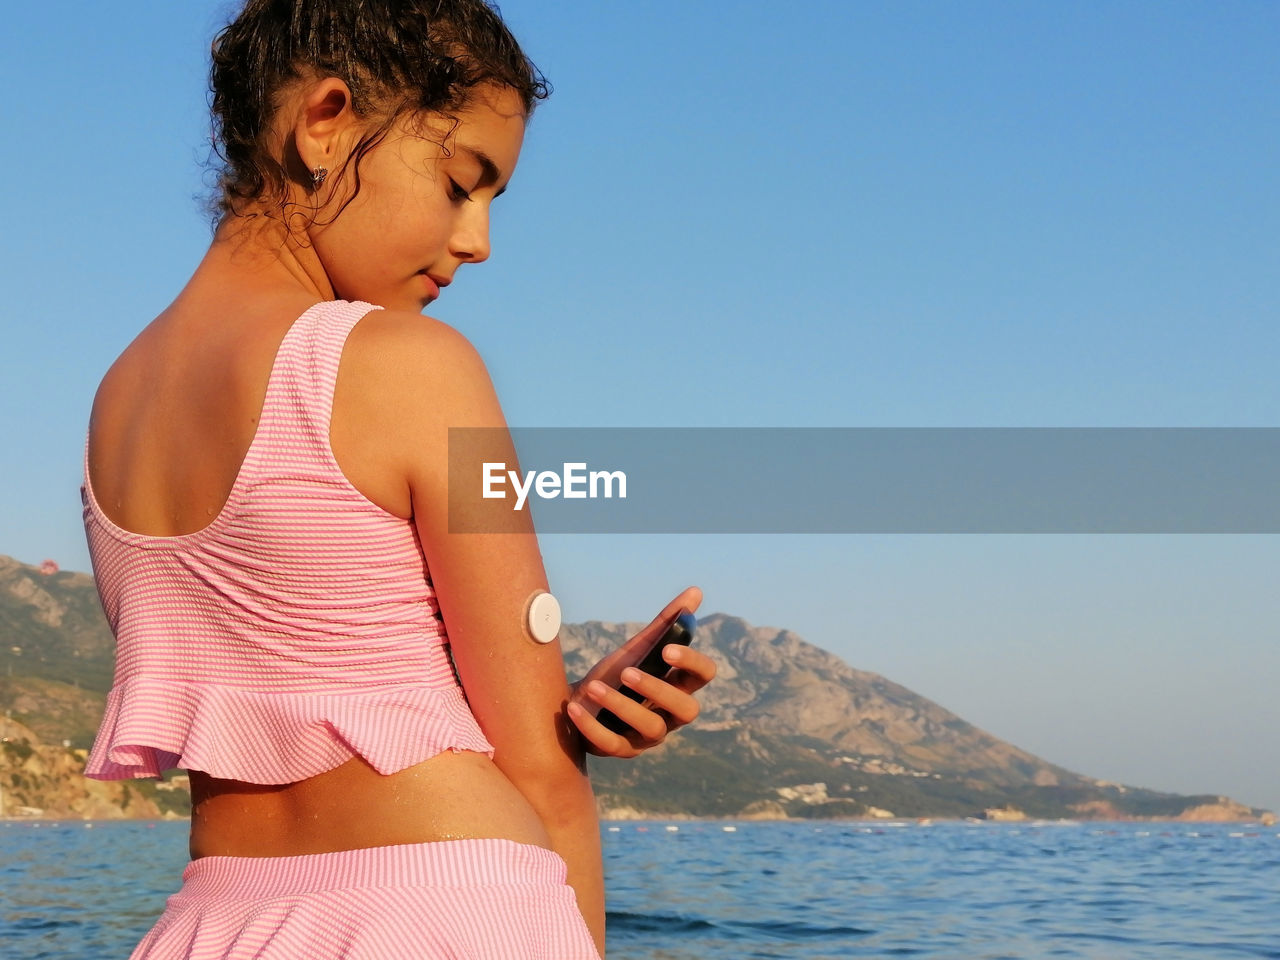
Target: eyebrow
491,171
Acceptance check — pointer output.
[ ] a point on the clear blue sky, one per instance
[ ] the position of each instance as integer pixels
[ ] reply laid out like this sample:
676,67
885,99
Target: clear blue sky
841,214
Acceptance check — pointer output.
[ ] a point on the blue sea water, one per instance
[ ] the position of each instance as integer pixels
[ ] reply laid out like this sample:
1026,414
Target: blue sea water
739,891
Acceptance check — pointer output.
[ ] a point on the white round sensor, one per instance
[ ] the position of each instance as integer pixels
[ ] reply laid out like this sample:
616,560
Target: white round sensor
544,617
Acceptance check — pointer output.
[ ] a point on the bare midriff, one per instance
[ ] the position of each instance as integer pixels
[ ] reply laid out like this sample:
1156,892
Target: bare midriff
452,796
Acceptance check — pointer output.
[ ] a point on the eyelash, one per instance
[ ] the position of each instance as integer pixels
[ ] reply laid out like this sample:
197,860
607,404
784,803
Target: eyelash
457,192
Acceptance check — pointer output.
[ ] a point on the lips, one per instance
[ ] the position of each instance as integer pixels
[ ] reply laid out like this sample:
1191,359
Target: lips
433,284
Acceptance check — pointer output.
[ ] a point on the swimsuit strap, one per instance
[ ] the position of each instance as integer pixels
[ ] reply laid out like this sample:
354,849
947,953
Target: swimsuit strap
298,406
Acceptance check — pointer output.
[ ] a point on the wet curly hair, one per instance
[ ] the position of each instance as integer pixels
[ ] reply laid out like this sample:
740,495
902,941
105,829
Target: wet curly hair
397,56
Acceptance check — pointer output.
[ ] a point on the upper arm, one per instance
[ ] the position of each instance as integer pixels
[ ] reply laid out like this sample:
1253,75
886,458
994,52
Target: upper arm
435,379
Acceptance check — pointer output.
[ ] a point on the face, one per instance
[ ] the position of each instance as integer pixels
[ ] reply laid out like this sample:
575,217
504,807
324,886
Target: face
422,210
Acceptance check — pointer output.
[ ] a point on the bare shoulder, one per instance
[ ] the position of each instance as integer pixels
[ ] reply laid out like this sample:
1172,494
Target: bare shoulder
403,381
398,342
421,366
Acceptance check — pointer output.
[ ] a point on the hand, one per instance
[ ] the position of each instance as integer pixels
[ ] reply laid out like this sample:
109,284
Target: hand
672,704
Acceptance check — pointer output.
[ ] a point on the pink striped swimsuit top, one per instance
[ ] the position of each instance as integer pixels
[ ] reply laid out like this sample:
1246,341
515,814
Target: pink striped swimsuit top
295,631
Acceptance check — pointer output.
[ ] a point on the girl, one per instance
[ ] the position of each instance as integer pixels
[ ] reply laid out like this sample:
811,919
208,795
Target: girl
383,763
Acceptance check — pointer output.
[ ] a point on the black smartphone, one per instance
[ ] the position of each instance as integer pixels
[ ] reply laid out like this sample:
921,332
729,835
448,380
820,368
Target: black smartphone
679,632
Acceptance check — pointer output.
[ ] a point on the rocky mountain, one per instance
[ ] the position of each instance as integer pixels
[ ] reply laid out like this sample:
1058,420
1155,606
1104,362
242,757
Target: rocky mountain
772,680
51,626
43,780
790,729
786,730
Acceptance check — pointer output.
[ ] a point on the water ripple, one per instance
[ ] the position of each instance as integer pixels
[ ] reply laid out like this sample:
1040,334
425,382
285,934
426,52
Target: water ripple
772,891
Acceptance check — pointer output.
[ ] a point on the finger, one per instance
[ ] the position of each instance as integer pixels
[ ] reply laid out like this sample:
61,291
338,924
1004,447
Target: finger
690,598
694,669
650,726
600,740
664,697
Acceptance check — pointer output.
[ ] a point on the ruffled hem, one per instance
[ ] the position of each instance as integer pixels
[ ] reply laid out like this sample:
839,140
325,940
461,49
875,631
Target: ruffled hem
151,726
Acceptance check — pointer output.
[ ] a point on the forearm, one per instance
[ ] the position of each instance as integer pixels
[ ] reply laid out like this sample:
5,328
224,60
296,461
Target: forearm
569,815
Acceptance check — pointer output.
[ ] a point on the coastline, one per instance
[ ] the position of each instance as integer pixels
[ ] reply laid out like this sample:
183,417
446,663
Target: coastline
1267,820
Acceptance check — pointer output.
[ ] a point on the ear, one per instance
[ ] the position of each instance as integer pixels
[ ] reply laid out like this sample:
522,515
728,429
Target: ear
324,125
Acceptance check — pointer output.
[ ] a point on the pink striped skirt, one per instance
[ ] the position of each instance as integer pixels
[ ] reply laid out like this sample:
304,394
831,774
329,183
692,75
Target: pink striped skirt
450,900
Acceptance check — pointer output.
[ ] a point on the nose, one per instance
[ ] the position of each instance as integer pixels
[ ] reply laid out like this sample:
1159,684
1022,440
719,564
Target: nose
470,241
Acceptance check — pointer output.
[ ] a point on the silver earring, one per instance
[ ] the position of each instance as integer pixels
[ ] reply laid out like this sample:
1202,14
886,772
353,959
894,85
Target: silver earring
318,175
